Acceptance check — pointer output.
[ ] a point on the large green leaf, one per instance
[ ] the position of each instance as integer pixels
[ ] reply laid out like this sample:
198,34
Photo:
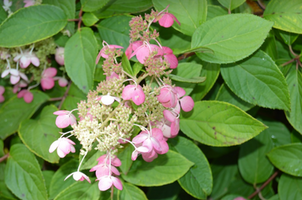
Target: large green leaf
253,163
165,169
115,30
215,11
288,38
118,7
131,192
258,80
287,158
125,157
31,24
219,35
42,131
23,175
80,55
218,123
286,15
294,116
231,4
93,5
190,13
57,184
198,180
211,72
3,14
5,193
74,96
289,187
80,190
14,111
226,95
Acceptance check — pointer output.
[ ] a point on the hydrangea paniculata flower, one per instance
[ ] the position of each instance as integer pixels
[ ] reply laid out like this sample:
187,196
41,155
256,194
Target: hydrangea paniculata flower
47,80
63,145
59,56
65,118
27,95
26,58
134,92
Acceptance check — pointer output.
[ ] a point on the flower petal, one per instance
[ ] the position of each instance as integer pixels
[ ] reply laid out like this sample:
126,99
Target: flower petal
53,146
128,91
105,183
117,183
62,121
187,103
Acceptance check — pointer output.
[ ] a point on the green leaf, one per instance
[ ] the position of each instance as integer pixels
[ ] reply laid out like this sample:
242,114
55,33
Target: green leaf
5,193
32,24
294,116
3,14
47,174
165,192
198,181
287,158
215,11
226,95
126,65
165,169
187,71
289,187
211,72
288,38
198,50
23,175
286,15
218,34
80,190
89,19
57,184
137,68
231,4
258,72
270,47
14,111
80,55
1,148
91,159
187,80
218,123
191,14
74,96
115,30
118,7
131,192
253,163
42,131
125,157
93,5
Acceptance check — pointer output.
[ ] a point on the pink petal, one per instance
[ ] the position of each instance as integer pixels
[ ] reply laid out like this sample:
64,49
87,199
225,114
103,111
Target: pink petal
169,116
134,155
28,97
164,95
1,98
61,112
166,131
166,20
113,75
155,144
142,149
2,90
171,58
128,91
14,79
164,147
115,171
60,153
116,162
62,121
149,157
142,53
180,92
49,72
21,93
53,146
98,57
24,62
167,50
138,95
148,144
102,158
105,183
104,171
72,119
128,51
24,77
157,133
140,137
35,61
117,183
174,128
47,83
5,73
187,103
63,82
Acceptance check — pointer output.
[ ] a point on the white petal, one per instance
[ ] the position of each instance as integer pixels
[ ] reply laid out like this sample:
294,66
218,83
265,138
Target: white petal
14,72
53,146
14,79
24,76
107,100
5,73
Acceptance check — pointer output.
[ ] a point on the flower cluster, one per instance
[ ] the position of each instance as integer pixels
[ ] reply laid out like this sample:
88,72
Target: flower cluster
22,67
126,101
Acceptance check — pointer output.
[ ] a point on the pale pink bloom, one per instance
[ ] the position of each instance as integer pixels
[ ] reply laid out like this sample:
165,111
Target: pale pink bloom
62,81
26,58
115,161
103,170
27,95
14,75
59,56
28,3
166,19
63,145
19,85
107,99
78,176
134,92
132,47
103,54
137,151
47,80
167,96
186,102
105,182
171,124
2,90
65,118
170,57
144,51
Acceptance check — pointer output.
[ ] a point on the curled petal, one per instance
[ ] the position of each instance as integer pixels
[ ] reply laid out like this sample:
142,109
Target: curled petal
187,103
117,183
140,137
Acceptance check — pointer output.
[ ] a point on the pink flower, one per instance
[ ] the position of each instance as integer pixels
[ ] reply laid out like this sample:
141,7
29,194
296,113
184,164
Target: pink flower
19,85
63,145
2,90
14,75
59,56
171,124
28,3
47,80
166,19
170,57
134,92
78,176
103,52
27,95
62,81
27,58
65,118
137,151
105,182
132,47
145,50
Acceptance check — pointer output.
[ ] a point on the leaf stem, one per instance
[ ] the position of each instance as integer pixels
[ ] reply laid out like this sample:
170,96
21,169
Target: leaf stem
64,96
80,19
264,185
4,157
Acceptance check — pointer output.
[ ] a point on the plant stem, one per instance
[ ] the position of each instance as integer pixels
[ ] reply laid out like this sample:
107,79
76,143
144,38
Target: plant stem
4,157
264,185
65,95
